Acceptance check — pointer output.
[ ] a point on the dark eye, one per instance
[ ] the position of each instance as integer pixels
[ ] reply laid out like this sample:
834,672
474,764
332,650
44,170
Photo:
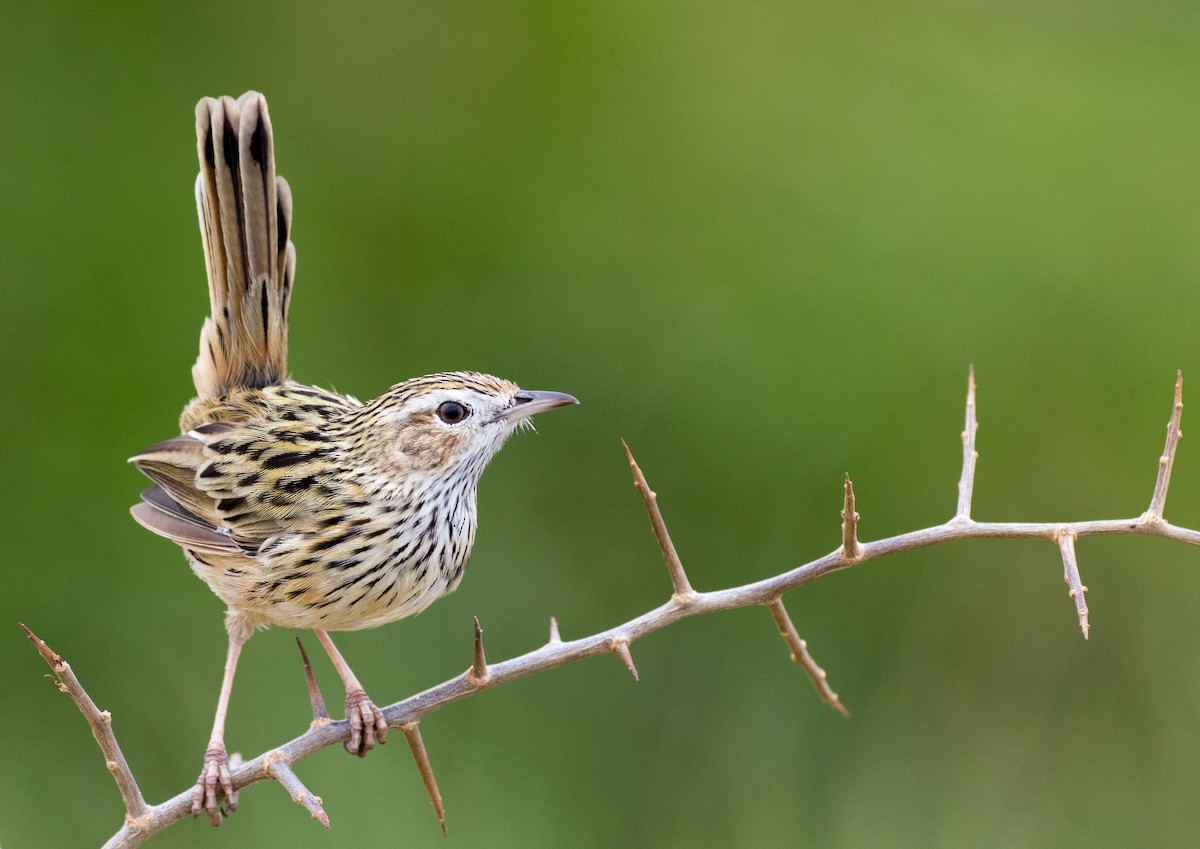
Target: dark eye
452,412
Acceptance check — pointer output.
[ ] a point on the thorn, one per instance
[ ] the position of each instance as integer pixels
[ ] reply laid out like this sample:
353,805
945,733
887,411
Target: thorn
479,673
554,635
802,658
1066,545
851,549
48,654
620,647
52,658
683,589
319,711
966,483
1154,512
413,734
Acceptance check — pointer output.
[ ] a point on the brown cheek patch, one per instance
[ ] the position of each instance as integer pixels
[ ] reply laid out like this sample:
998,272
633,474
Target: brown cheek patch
426,445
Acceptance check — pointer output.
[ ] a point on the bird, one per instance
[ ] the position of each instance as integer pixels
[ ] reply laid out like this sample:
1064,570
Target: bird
301,507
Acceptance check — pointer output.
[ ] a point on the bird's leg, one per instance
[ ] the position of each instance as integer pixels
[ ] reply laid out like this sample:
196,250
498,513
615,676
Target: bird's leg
367,724
216,762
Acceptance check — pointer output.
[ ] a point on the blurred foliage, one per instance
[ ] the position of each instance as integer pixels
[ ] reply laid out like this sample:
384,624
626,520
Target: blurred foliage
761,242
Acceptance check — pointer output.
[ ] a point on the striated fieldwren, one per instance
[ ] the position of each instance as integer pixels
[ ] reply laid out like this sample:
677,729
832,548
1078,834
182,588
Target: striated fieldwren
298,506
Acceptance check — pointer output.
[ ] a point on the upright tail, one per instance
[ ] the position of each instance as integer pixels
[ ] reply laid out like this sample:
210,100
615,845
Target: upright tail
245,220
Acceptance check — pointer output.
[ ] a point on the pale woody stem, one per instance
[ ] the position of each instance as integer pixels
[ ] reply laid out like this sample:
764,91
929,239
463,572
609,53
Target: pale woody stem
768,591
1066,544
802,658
966,483
1167,460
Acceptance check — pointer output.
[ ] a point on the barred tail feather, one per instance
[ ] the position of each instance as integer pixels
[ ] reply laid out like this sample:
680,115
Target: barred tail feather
245,222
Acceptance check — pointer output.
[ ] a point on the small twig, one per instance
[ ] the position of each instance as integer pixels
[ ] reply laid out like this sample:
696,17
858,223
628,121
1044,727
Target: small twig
478,675
683,589
555,637
413,733
1066,544
801,657
319,711
1167,460
100,722
281,771
851,549
966,483
620,647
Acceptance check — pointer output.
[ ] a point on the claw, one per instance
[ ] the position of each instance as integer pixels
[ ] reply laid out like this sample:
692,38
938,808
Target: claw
215,772
367,725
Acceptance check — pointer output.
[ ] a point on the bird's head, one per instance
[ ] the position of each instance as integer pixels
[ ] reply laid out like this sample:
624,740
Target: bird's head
451,423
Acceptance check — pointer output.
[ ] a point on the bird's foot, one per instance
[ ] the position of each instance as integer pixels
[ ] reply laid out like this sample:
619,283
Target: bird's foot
214,774
367,725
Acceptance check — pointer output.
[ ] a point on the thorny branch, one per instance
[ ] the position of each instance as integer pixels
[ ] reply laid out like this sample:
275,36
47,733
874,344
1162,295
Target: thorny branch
101,723
142,820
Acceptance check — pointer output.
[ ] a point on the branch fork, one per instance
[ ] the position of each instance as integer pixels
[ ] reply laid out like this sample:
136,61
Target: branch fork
277,767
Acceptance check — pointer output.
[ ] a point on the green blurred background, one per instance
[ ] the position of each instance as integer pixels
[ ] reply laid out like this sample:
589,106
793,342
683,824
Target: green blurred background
761,242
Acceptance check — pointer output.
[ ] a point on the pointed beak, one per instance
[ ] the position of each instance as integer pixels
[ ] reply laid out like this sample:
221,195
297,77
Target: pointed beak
528,401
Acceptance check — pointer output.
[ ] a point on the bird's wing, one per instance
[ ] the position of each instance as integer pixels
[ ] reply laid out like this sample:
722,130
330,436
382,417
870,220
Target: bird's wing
166,517
244,483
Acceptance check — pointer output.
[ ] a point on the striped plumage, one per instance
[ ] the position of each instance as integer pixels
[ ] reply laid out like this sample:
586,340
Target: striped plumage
306,509
298,506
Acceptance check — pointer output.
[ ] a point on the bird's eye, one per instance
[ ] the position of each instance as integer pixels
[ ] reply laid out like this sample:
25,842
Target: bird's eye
452,412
